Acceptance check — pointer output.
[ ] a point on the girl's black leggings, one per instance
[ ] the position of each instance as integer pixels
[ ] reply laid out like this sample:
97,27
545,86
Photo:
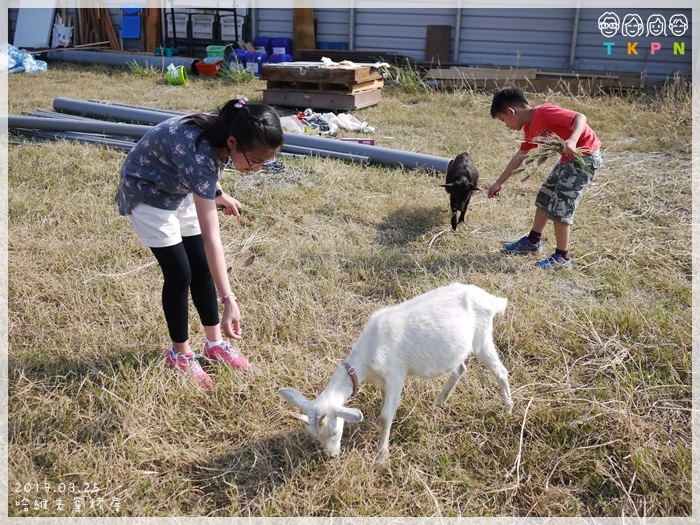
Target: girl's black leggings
185,269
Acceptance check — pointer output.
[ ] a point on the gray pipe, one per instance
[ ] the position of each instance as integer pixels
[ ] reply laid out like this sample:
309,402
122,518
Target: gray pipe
312,152
122,145
458,35
99,110
574,37
53,124
111,58
376,154
120,104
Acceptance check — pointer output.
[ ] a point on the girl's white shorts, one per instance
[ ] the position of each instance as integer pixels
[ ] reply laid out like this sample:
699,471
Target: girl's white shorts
158,228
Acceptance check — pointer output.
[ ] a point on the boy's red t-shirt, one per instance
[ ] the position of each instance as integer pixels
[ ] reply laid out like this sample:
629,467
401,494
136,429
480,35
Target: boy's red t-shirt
550,118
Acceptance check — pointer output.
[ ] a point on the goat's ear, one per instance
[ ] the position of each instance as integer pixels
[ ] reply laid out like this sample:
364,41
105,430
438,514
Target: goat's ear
294,397
448,185
351,415
301,417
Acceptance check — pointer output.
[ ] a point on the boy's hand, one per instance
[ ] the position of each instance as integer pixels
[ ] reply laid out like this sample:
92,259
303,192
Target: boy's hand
495,190
569,147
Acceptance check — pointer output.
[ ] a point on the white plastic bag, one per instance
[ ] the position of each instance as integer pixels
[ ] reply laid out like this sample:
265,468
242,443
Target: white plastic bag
292,124
61,35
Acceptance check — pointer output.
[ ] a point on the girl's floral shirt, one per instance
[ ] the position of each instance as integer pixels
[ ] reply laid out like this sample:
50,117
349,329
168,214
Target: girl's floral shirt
165,166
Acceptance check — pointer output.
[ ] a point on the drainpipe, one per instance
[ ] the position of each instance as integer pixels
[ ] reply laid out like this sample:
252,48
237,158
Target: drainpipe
351,27
574,37
376,154
100,110
312,152
458,35
55,124
119,59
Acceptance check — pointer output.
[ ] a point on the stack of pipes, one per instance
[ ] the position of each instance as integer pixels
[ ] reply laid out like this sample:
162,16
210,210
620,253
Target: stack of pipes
121,125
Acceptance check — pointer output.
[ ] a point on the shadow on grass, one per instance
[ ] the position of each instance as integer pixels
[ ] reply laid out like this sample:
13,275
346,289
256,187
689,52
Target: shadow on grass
409,223
244,482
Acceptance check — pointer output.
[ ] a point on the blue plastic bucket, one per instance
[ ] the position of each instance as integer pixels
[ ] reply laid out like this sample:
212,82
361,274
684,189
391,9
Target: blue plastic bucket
277,58
281,46
264,43
255,61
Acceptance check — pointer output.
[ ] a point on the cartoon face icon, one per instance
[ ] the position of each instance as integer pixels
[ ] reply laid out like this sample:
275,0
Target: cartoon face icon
656,25
609,23
632,25
678,25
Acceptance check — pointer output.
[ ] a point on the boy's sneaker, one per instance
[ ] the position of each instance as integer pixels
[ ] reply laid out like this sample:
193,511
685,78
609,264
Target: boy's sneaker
554,261
226,354
522,245
189,365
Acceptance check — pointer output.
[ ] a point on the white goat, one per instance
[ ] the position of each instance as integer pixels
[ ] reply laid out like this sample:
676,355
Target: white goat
426,336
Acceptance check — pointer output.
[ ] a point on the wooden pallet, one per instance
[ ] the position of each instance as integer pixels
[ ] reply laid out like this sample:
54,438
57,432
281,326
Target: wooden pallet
313,84
321,100
317,72
358,87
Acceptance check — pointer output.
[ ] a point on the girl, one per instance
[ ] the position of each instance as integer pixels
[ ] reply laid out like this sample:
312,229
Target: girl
169,188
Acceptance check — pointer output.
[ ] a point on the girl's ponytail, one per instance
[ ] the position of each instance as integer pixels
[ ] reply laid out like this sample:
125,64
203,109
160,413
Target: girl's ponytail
250,124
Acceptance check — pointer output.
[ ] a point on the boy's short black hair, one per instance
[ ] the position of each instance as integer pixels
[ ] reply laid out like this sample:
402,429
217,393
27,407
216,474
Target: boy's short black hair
507,97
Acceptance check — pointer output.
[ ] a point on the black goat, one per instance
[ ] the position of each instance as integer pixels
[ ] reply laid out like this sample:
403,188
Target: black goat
460,183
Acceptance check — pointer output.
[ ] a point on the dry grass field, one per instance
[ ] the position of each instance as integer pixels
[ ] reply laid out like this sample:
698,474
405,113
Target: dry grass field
599,356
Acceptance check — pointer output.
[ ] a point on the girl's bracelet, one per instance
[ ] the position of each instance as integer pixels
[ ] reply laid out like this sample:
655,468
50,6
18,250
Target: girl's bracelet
227,297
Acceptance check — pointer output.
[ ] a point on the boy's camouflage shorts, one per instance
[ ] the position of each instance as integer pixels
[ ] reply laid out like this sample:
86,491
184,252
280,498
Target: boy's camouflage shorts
563,188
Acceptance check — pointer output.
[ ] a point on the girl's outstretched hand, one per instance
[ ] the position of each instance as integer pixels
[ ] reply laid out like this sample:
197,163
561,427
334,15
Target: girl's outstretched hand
231,321
230,205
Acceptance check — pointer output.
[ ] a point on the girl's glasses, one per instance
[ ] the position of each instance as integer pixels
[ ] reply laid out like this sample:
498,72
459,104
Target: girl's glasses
258,164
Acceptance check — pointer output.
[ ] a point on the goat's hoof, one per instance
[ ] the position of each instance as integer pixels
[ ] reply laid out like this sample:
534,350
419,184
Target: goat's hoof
382,458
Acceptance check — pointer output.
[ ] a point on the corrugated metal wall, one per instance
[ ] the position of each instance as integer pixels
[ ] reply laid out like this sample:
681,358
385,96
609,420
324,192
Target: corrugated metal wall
591,53
540,38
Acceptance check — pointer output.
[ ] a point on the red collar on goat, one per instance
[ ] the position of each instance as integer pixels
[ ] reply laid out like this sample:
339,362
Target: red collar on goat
353,376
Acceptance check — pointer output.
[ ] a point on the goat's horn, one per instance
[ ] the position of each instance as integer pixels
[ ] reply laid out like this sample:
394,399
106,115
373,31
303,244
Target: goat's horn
322,420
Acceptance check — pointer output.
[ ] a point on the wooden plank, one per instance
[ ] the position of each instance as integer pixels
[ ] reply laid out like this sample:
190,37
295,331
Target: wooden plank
326,86
321,100
152,32
106,24
588,86
317,72
437,43
478,73
303,33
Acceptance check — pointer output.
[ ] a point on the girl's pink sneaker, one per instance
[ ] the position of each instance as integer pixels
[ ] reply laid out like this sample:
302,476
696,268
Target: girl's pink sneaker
227,354
188,364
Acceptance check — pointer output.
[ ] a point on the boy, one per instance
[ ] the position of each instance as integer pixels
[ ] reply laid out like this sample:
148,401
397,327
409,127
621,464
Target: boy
562,190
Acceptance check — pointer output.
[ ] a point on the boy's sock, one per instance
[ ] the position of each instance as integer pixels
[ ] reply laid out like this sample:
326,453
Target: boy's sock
563,253
534,237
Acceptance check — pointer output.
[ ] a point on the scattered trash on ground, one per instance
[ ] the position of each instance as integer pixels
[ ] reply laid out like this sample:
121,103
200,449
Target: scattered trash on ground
313,123
13,60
